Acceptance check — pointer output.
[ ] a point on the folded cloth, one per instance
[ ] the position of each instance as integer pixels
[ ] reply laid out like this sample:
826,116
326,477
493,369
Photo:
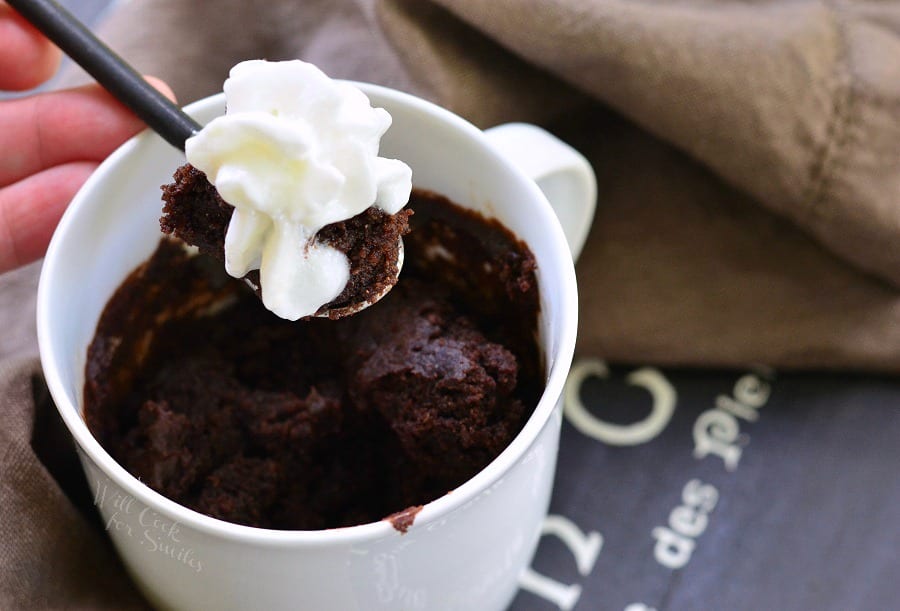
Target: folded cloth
749,195
54,555
770,233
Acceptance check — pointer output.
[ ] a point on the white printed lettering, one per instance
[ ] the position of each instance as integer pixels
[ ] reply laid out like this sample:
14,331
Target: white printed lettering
688,521
660,389
752,391
698,494
585,548
675,543
715,432
563,596
736,408
672,550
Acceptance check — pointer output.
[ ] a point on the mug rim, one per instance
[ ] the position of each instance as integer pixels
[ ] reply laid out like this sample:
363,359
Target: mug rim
557,363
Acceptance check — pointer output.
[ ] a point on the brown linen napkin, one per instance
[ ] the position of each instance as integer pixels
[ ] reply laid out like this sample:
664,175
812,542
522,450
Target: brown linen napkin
749,195
54,555
791,108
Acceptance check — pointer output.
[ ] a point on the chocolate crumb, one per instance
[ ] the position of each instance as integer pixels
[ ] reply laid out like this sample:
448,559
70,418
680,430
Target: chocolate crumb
218,404
402,520
194,212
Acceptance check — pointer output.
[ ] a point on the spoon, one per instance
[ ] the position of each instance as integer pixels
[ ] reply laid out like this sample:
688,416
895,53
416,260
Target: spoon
128,86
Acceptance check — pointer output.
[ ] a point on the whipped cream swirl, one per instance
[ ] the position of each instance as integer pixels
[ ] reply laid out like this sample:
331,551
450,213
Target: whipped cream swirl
294,152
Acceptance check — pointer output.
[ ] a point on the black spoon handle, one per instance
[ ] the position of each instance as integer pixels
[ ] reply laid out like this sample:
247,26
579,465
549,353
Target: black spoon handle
110,70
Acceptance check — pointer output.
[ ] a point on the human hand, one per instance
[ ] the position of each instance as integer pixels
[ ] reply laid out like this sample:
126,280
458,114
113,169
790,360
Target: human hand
49,142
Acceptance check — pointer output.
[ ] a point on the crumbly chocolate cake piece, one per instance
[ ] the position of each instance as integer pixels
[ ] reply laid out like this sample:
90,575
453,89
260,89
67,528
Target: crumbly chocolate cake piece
194,212
222,406
442,387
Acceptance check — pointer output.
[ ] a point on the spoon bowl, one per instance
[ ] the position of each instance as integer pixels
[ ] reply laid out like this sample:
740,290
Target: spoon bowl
355,308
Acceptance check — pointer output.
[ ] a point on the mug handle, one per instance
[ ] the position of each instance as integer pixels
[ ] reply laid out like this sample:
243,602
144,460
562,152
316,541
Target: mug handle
561,172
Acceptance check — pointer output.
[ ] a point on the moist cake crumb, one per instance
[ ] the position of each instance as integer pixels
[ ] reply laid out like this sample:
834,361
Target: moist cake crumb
194,212
215,402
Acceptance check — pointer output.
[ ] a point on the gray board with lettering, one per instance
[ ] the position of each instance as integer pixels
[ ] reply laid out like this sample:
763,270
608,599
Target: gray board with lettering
681,490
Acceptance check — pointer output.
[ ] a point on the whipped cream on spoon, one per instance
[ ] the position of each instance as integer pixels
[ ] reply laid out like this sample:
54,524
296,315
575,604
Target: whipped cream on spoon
176,127
295,152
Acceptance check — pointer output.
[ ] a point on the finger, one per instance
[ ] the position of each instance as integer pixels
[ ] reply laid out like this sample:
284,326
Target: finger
50,129
27,59
30,210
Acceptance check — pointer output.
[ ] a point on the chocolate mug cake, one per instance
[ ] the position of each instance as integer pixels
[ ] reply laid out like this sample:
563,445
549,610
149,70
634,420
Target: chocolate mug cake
218,404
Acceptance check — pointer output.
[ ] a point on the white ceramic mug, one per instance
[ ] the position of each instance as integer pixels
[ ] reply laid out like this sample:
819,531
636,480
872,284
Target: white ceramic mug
464,550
